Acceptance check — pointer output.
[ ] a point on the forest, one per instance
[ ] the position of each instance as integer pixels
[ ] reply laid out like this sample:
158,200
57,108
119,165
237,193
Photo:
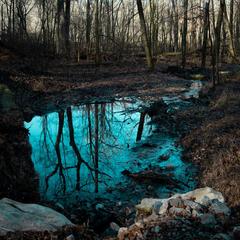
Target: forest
119,119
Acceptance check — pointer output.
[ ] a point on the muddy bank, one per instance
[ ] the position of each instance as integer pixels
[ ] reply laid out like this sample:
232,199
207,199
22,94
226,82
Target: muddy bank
101,213
212,139
17,175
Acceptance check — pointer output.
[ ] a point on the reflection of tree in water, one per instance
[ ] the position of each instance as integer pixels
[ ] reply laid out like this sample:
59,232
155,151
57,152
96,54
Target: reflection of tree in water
100,139
59,165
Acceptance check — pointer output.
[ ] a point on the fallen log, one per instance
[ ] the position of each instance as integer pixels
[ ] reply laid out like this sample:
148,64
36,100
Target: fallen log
154,177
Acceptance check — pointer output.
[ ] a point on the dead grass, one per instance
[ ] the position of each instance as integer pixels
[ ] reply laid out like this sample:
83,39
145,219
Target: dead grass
214,144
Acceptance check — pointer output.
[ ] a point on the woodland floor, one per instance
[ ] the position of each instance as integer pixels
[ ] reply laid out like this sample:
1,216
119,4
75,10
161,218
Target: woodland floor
126,78
210,128
212,139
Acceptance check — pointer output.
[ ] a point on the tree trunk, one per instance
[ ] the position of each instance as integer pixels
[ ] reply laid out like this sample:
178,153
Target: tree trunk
96,150
140,127
67,27
88,28
205,34
175,24
229,26
97,34
184,33
217,43
146,40
60,27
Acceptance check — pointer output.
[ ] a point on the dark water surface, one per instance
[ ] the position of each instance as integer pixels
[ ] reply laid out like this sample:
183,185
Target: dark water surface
81,152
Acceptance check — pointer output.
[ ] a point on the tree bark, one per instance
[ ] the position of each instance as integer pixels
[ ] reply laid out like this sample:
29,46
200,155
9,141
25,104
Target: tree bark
97,34
146,40
184,33
217,43
60,27
205,34
88,28
67,27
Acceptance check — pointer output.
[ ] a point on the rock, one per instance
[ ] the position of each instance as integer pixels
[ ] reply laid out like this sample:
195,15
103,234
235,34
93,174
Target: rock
122,233
60,206
220,209
156,207
146,205
176,202
70,237
99,206
199,195
179,212
221,236
236,232
16,216
196,201
119,204
196,214
157,229
206,201
207,219
114,226
150,188
164,207
193,205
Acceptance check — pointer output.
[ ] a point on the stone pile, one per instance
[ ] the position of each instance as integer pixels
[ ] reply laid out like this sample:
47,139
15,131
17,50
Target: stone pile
199,214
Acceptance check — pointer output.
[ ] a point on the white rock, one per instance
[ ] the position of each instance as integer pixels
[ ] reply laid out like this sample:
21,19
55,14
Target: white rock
60,206
196,214
199,195
164,207
114,226
70,237
122,232
16,216
147,204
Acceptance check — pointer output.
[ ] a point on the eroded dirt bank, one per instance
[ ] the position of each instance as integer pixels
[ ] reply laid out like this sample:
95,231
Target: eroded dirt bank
17,175
213,139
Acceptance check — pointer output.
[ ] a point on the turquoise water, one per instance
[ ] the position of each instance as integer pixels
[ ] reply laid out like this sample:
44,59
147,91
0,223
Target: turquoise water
105,134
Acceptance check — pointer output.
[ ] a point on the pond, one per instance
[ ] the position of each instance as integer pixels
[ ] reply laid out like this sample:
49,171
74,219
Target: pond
93,150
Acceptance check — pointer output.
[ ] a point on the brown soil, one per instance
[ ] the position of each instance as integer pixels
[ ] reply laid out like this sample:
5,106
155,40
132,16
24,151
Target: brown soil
214,140
17,175
212,137
129,77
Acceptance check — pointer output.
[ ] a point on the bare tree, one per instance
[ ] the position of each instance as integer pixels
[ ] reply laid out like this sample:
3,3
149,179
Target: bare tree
184,33
146,40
